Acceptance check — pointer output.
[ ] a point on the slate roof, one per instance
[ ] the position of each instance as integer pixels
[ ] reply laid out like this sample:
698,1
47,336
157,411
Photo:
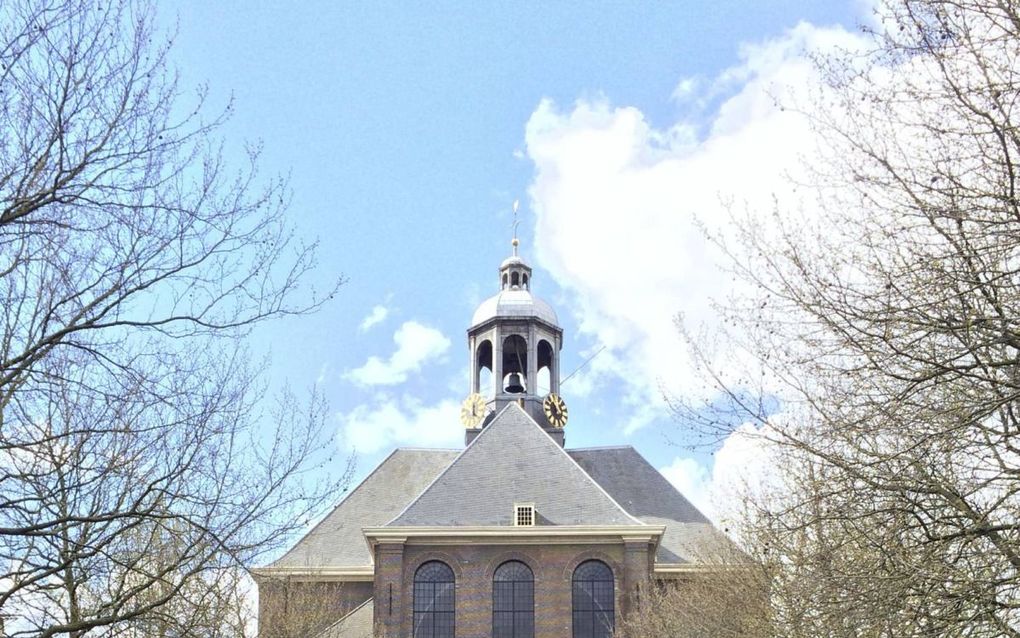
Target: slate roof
645,493
356,624
513,461
337,540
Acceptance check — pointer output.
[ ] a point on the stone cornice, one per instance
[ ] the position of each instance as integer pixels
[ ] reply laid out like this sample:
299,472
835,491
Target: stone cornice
346,574
680,570
510,535
510,319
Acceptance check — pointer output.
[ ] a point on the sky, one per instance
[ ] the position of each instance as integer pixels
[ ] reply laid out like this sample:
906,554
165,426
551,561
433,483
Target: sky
407,131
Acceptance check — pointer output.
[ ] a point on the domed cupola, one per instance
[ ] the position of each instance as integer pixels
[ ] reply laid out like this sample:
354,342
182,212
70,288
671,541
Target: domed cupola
515,341
514,298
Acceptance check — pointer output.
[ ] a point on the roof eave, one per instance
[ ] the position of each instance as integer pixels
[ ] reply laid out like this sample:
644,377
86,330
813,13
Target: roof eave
493,320
346,574
679,570
512,535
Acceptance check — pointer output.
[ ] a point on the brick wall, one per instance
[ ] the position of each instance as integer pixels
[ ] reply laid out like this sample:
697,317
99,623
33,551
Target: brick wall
473,567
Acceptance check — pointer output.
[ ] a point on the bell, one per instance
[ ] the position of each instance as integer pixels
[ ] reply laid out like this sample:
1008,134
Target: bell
515,386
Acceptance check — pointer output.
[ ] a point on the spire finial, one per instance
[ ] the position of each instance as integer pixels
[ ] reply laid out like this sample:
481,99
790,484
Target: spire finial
515,242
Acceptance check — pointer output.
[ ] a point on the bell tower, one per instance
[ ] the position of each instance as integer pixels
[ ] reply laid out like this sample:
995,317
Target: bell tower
514,342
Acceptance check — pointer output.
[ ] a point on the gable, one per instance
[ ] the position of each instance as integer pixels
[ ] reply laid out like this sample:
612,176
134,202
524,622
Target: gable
513,461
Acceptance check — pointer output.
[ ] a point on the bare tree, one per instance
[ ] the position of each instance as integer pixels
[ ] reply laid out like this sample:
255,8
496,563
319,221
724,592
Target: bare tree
136,474
291,607
888,327
723,595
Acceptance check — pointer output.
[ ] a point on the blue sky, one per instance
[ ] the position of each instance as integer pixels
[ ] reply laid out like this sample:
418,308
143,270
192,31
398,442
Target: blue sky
408,130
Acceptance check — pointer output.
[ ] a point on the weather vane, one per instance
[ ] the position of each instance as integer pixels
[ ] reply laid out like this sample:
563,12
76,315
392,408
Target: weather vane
515,242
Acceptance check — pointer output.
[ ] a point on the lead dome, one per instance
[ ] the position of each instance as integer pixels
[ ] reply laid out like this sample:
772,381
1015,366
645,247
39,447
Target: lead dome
514,304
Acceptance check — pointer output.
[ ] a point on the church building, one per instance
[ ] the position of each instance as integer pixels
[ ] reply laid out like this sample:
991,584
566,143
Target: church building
515,535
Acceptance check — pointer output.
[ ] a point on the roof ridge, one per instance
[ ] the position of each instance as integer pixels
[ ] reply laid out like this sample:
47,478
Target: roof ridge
426,449
447,468
600,447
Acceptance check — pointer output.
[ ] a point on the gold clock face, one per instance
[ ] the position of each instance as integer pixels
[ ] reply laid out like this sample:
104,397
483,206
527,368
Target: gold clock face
555,410
472,411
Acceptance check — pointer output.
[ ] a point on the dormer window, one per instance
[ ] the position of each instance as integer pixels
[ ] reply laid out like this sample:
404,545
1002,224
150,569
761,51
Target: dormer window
524,514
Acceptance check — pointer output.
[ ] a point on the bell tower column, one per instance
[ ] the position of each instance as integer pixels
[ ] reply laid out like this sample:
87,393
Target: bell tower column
497,361
475,365
532,370
554,367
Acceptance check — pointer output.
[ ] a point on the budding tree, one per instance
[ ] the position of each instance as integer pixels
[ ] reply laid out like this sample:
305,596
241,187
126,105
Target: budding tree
888,326
135,474
723,595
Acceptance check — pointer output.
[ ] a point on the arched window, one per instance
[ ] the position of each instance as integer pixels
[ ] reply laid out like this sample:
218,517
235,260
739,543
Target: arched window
434,601
515,280
513,601
524,281
593,600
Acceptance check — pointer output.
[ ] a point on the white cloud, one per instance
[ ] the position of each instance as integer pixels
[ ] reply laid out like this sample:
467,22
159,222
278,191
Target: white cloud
388,421
416,344
323,374
743,467
377,315
620,207
686,89
691,479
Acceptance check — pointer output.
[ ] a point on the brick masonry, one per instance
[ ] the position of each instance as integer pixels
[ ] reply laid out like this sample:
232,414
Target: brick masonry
473,567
